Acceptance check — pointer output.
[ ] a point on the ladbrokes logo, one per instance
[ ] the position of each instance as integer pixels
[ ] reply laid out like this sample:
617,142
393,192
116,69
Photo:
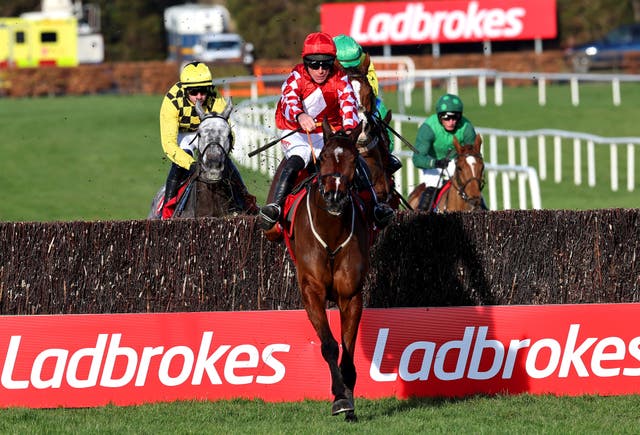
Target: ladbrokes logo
175,365
414,24
458,359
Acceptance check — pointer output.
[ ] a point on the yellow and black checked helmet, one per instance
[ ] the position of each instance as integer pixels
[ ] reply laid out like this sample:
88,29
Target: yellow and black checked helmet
196,75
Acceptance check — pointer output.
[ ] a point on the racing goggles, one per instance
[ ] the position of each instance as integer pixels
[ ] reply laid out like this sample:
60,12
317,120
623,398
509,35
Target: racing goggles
317,64
204,90
450,116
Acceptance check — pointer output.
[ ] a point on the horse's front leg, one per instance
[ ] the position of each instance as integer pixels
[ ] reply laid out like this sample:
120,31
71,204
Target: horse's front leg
314,304
350,314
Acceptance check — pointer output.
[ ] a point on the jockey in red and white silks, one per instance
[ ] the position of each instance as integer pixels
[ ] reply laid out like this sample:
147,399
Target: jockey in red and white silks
333,99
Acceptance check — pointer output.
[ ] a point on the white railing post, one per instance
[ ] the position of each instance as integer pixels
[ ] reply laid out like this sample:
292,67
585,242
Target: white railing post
497,91
615,89
575,91
614,167
557,159
542,157
542,91
577,162
631,167
482,90
591,163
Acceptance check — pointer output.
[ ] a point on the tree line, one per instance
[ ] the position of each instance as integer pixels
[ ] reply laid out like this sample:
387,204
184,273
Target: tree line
134,29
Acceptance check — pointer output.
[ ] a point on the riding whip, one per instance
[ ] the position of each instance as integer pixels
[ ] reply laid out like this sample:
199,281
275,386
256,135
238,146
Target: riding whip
404,141
272,143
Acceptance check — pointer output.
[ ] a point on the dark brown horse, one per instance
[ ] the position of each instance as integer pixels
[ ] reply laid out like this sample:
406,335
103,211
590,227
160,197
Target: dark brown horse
330,244
467,182
373,143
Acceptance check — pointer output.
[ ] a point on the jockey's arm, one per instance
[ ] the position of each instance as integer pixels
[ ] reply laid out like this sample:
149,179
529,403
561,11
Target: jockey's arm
348,104
424,144
372,77
169,135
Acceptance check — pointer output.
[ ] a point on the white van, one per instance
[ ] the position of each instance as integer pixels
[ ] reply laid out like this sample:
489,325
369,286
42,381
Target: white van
224,48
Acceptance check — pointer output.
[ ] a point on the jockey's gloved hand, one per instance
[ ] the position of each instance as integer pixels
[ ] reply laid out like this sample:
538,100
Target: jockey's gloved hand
441,163
192,168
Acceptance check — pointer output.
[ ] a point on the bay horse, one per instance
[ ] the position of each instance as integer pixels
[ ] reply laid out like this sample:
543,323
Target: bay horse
374,142
329,243
208,190
464,190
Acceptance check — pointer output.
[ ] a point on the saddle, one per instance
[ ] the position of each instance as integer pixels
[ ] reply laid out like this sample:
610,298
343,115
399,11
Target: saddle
439,193
170,208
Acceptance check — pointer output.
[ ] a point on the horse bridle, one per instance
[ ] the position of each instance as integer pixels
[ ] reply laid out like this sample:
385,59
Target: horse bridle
461,187
324,244
215,143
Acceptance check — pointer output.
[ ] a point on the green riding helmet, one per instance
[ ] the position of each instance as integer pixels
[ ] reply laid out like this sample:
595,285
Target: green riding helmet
349,52
449,103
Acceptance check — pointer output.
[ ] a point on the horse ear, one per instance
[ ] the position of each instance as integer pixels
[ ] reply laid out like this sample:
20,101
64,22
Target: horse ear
364,65
356,131
457,145
228,108
326,128
477,144
199,109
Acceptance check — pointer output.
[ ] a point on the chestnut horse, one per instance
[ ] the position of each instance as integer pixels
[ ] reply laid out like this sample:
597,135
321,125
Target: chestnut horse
374,142
329,243
466,184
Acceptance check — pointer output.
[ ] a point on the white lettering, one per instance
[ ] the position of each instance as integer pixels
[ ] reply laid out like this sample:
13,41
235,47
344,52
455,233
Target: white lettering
463,347
600,355
414,24
94,354
234,362
113,353
378,354
573,356
478,349
9,364
278,368
634,351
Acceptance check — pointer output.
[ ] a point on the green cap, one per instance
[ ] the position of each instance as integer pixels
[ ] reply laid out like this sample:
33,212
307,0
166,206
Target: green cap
349,51
449,103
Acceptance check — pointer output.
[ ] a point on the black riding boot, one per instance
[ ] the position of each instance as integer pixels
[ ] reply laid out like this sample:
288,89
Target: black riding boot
177,175
427,199
241,196
270,213
382,213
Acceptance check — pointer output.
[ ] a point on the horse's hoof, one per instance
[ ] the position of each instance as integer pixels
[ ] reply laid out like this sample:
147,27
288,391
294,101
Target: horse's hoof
350,417
341,405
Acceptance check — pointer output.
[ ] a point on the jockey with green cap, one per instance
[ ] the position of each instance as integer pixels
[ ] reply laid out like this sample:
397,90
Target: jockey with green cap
350,55
434,142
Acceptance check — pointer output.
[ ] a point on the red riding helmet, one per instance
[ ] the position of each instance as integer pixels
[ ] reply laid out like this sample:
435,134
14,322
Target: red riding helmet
319,43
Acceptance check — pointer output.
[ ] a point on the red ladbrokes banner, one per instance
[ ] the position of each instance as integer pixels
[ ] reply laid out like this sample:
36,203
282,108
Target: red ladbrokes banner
397,23
92,360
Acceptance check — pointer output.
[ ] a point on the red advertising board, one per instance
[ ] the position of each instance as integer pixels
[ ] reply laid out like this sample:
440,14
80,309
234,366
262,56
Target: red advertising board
125,359
396,23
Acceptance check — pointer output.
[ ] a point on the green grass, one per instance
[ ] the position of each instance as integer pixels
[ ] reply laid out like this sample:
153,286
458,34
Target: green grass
472,415
83,158
99,157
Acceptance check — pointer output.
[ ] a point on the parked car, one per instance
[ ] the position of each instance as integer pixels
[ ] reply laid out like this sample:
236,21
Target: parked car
224,48
605,53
